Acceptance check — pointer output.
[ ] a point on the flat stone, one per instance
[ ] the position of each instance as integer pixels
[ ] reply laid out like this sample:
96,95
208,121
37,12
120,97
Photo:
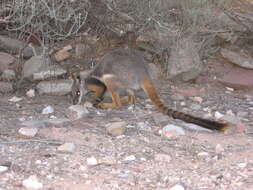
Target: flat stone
238,57
49,72
238,78
75,112
56,87
116,128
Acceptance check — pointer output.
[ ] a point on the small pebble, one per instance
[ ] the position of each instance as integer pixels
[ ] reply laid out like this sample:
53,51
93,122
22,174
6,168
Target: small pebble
242,165
218,115
32,183
130,158
67,147
177,187
28,132
116,128
48,110
91,161
3,169
230,89
30,93
107,160
172,131
203,154
219,149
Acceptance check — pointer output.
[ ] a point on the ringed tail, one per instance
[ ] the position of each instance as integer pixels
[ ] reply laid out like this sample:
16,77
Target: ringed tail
205,123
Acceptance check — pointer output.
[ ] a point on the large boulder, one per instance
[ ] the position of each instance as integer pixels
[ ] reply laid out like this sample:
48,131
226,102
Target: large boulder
184,62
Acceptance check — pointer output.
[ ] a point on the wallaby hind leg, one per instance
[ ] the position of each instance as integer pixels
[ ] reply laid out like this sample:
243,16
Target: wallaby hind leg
116,101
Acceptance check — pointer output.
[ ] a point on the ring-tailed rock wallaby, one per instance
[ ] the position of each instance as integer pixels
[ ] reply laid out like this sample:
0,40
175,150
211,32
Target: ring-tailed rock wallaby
127,69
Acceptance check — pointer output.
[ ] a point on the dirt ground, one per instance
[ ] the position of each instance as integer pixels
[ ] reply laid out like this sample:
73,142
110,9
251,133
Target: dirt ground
138,159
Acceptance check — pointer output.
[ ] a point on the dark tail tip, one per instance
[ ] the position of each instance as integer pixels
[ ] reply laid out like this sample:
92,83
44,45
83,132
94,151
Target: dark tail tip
209,124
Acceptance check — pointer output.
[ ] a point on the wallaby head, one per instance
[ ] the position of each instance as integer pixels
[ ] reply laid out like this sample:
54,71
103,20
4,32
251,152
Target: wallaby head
86,88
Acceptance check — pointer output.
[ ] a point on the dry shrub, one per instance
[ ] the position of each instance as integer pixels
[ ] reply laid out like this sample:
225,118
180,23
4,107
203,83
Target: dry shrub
49,21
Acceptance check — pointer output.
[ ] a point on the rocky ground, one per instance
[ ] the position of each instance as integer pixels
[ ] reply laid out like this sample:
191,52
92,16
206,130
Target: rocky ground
129,148
47,143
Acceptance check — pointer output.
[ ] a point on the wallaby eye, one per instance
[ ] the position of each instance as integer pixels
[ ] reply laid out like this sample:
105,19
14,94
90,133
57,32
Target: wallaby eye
78,93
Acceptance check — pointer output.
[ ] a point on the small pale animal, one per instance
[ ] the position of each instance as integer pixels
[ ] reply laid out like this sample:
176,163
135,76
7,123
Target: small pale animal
126,69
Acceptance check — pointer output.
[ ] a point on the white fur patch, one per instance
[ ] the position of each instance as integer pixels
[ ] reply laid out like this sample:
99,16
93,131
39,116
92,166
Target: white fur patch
107,76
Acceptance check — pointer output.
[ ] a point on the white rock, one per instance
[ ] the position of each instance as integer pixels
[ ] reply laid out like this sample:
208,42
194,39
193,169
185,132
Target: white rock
48,110
218,115
130,158
203,154
172,131
182,103
177,187
30,93
107,160
242,165
28,132
91,161
15,99
32,183
3,169
67,147
230,89
219,149
38,162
